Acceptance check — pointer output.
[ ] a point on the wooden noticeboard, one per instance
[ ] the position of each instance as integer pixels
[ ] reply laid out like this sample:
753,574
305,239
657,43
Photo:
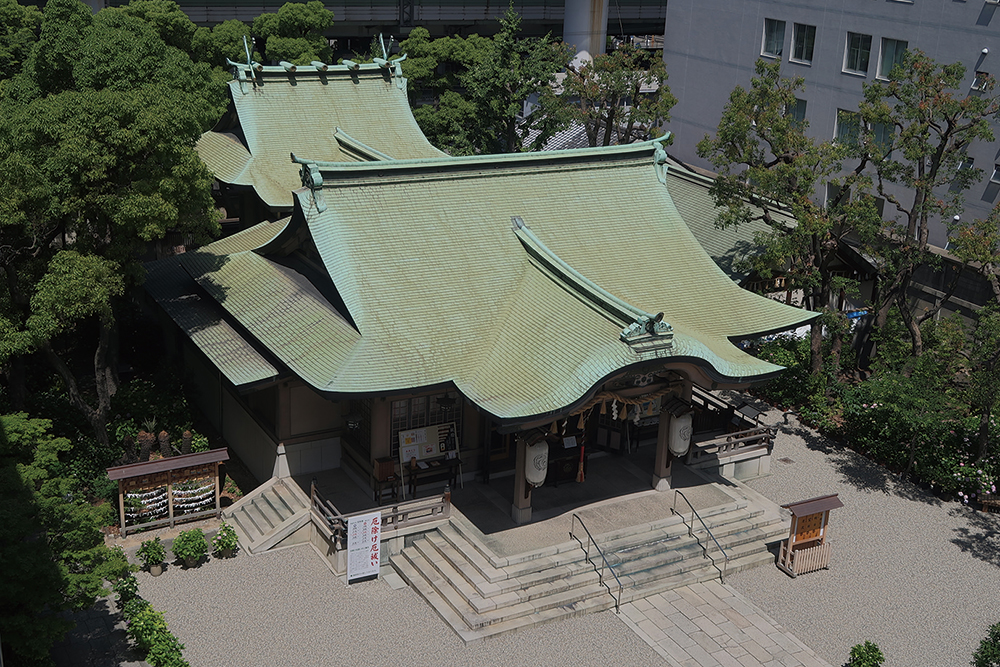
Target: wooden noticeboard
429,445
431,442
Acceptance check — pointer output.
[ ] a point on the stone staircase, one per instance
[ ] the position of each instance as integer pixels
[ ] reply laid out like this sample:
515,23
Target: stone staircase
480,595
268,514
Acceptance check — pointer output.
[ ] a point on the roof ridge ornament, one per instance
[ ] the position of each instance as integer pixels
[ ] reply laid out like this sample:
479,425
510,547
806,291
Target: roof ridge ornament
660,158
312,179
647,333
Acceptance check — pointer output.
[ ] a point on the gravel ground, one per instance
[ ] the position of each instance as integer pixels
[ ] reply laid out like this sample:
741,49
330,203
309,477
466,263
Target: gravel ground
286,608
917,576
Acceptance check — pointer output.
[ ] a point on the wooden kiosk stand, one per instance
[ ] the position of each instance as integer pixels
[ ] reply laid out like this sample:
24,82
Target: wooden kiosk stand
806,548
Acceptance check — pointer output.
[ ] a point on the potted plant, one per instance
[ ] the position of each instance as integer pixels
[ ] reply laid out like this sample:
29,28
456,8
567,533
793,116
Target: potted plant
152,553
225,541
190,546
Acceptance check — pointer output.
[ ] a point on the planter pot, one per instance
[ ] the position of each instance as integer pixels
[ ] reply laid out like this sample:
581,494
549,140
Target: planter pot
191,562
156,570
226,553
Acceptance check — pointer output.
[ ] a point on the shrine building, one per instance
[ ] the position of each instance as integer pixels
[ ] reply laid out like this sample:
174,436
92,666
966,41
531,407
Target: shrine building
413,308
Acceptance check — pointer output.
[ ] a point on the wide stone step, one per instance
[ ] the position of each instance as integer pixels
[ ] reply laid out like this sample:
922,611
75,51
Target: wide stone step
509,606
707,572
695,561
498,597
485,559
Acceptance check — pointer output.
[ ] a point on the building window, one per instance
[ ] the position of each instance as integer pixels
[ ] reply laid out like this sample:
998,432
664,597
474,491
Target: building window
848,127
981,80
859,48
774,38
833,193
420,411
884,135
804,39
797,111
893,51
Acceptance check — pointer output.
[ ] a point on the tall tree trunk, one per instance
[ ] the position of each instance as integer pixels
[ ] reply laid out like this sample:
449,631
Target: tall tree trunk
105,381
816,348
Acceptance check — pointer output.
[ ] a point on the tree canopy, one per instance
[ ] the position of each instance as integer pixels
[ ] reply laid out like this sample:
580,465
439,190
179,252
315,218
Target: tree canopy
916,128
622,95
295,33
769,164
96,160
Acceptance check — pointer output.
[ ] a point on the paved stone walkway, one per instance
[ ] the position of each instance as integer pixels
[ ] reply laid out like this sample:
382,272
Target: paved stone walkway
711,625
97,640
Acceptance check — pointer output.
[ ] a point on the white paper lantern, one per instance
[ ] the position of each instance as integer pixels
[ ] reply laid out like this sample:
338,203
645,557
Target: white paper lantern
537,463
680,435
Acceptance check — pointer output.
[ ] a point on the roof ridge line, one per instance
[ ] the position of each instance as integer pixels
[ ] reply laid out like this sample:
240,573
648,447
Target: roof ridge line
469,161
643,329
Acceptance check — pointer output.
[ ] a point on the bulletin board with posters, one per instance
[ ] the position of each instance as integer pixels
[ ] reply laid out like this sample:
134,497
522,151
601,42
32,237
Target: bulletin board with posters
428,444
430,453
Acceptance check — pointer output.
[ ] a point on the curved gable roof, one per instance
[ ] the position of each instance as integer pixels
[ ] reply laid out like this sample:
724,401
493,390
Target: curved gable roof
340,114
441,289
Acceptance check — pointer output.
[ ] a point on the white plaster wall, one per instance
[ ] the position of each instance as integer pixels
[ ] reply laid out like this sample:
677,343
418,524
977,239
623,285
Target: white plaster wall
314,456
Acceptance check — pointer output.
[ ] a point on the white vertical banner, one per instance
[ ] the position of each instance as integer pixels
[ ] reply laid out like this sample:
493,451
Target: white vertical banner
363,548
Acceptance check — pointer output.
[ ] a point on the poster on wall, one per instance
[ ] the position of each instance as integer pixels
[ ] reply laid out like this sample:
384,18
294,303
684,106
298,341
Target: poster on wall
363,547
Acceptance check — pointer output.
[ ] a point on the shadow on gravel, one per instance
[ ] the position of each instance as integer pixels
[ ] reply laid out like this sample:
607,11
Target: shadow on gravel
858,471
97,639
981,538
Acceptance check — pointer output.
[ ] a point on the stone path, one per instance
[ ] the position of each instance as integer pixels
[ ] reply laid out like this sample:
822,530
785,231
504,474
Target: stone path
711,625
97,640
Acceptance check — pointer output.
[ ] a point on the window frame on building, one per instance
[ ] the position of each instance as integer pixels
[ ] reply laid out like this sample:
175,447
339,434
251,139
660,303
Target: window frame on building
897,55
839,135
799,46
772,38
797,112
859,48
879,131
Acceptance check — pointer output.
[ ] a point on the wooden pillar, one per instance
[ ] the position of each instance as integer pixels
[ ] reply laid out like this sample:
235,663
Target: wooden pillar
520,510
170,497
121,504
218,489
662,464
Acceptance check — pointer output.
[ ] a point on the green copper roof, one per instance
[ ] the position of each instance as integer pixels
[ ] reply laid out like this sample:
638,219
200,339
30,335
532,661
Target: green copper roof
198,316
338,114
695,204
426,263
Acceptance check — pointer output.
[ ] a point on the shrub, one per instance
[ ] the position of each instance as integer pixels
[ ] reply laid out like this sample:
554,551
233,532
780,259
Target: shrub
866,655
988,653
145,625
190,544
224,539
165,651
151,552
126,589
133,607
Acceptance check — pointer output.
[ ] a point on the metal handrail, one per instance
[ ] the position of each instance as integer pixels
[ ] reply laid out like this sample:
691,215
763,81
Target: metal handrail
694,513
600,573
